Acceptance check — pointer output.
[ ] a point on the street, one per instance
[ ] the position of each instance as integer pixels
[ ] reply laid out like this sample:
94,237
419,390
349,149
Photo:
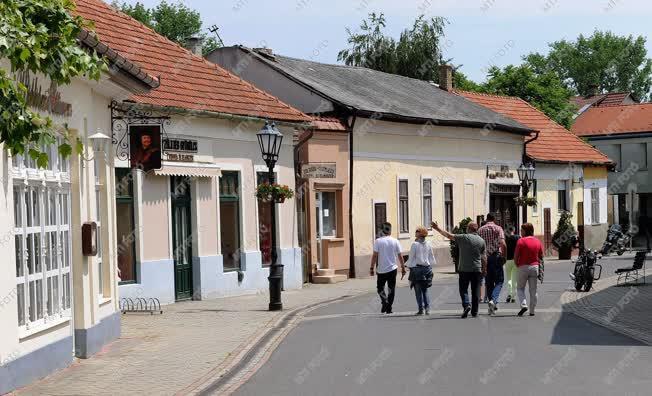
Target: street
350,348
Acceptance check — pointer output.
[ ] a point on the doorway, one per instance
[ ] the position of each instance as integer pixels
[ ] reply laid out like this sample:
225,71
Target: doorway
547,232
502,204
181,236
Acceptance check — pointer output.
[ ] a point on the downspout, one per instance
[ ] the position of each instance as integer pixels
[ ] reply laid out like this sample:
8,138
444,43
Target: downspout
351,244
524,186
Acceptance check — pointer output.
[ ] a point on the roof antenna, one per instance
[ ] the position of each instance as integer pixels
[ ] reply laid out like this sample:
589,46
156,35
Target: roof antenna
214,29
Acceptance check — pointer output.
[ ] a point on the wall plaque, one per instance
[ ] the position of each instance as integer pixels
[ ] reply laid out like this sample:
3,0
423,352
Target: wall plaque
318,171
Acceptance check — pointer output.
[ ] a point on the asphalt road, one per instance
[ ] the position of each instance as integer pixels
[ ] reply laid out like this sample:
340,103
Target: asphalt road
349,348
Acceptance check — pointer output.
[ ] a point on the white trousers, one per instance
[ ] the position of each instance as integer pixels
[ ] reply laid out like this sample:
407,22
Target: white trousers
527,274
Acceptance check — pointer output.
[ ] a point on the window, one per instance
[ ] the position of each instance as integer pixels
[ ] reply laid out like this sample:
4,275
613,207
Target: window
327,214
562,195
380,217
42,243
426,197
126,232
230,219
264,223
448,207
595,205
403,209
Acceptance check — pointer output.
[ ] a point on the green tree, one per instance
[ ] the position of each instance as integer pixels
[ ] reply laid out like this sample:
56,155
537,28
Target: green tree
462,82
175,21
416,54
545,91
39,36
602,62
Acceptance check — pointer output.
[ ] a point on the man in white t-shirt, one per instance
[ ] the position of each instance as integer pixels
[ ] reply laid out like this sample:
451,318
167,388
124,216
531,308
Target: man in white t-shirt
386,251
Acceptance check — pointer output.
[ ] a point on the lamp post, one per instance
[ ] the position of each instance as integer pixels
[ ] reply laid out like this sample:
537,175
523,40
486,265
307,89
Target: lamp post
269,139
525,176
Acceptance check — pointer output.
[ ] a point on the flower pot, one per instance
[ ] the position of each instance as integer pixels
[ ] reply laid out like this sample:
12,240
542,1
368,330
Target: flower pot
279,200
266,198
565,252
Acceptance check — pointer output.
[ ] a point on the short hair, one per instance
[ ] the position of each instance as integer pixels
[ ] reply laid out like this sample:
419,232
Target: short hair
491,217
528,229
422,232
472,227
387,228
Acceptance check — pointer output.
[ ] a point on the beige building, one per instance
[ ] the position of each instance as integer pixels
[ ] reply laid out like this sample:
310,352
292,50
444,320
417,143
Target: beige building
55,302
416,152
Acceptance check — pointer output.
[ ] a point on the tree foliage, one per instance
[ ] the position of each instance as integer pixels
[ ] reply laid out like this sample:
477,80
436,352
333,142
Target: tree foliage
545,91
39,36
602,62
416,54
175,21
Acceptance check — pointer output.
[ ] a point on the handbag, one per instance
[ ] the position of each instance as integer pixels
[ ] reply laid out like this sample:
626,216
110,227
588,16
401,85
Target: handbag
542,270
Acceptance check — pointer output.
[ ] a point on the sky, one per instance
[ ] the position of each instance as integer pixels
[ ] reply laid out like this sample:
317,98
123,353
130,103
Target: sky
481,33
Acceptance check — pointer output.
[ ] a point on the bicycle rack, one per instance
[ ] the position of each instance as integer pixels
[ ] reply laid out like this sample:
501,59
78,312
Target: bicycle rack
151,305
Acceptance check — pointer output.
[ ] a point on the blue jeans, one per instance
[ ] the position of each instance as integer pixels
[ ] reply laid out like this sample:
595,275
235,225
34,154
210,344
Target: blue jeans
495,277
423,297
474,279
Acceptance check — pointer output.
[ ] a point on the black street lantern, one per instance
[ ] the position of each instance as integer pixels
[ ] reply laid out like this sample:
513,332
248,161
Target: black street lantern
269,139
526,177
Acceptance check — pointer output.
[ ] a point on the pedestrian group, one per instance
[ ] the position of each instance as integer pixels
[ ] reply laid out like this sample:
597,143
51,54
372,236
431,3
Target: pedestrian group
485,254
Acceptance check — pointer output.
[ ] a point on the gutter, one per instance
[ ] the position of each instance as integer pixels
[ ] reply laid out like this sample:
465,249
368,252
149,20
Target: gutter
118,60
216,114
351,234
536,136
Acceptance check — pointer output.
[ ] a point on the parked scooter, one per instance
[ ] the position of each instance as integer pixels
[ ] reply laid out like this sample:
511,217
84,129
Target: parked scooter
616,241
584,273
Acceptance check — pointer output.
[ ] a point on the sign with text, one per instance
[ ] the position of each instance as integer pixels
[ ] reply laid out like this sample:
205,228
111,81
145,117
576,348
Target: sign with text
180,150
499,172
318,171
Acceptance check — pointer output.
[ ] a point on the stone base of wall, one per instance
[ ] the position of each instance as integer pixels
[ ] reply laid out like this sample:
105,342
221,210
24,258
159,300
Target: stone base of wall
36,365
155,280
90,341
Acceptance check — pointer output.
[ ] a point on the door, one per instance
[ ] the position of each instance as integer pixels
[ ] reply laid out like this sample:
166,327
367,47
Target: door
318,229
502,204
181,237
380,217
580,222
547,232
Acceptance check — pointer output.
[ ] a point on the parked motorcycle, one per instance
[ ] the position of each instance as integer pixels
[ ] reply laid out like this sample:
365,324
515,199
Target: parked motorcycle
616,241
584,273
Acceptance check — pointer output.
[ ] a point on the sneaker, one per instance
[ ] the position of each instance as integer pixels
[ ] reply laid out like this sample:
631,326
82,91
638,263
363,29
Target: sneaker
420,312
465,314
475,315
427,311
522,311
531,313
492,307
509,299
388,310
383,309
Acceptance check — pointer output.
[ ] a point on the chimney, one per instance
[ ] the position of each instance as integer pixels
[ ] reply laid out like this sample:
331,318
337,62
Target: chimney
194,44
266,52
446,77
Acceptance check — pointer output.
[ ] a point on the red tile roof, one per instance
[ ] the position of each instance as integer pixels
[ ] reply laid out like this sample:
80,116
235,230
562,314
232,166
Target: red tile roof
611,98
555,143
187,81
328,124
611,120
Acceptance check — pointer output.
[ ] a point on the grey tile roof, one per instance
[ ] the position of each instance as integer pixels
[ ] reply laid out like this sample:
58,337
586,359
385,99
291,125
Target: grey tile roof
389,95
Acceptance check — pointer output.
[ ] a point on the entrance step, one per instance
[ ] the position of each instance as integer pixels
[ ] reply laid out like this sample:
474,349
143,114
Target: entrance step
335,278
325,272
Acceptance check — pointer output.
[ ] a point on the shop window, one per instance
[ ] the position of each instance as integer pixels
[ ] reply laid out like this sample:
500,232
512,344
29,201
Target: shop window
230,219
327,214
562,195
403,207
426,197
264,223
449,222
43,257
595,205
125,226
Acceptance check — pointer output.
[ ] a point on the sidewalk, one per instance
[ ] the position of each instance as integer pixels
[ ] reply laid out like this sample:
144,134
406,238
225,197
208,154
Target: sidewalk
624,309
164,354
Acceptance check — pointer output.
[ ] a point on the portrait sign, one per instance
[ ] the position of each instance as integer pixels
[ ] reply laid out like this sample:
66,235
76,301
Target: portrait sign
145,146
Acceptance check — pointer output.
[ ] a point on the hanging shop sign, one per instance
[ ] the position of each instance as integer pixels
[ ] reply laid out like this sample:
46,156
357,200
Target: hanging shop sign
180,150
499,172
145,146
318,171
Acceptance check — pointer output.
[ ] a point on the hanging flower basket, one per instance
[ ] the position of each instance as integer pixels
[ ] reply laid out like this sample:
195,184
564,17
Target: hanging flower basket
278,193
525,201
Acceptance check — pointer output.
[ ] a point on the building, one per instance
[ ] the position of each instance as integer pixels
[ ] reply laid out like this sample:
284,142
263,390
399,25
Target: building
624,132
582,103
56,302
570,174
411,145
191,228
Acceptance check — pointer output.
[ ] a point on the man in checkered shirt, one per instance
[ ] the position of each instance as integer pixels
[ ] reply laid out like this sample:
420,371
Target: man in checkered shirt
494,238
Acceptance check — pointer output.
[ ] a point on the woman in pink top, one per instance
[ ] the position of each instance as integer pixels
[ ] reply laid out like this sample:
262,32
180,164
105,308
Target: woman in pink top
528,255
